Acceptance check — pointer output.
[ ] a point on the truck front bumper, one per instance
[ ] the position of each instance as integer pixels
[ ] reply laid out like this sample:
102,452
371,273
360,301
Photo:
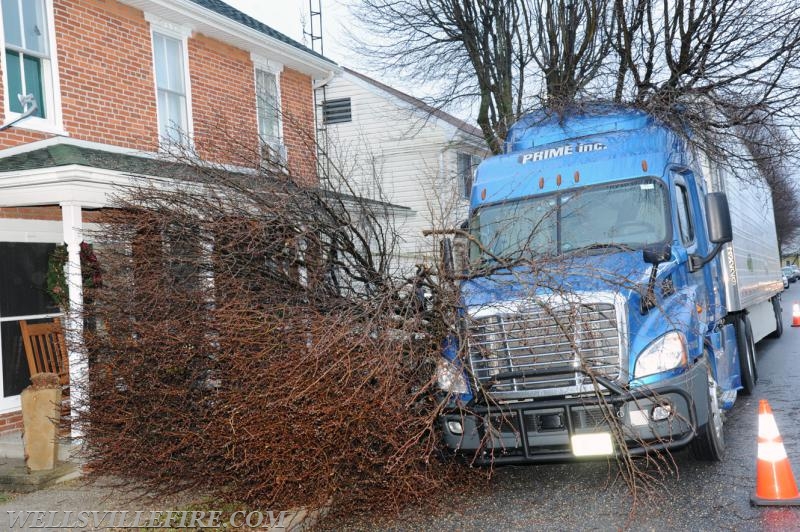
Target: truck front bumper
661,416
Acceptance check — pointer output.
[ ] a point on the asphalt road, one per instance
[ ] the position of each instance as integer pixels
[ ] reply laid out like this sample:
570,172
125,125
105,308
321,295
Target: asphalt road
693,496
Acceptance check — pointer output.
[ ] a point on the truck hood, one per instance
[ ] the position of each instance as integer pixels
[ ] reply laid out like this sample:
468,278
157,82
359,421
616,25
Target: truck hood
624,273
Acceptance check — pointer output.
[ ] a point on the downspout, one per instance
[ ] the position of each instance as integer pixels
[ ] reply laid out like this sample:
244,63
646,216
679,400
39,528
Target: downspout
321,135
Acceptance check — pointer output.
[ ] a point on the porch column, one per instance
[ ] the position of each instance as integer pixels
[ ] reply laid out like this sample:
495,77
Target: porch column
72,225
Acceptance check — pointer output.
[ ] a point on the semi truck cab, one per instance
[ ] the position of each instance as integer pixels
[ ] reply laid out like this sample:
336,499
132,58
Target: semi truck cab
617,284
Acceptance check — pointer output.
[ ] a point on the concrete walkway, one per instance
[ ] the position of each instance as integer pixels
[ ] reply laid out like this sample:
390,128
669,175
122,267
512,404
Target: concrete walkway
14,475
107,495
61,500
107,503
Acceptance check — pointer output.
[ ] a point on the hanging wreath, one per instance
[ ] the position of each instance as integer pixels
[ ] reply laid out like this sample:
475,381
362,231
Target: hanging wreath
56,280
57,286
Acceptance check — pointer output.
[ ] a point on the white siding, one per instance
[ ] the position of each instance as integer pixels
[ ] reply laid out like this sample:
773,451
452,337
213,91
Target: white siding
394,152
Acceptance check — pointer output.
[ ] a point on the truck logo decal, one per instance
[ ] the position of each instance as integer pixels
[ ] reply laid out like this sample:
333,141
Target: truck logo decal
731,266
560,151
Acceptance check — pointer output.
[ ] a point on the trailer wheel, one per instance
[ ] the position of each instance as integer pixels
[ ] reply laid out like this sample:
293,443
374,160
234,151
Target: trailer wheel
709,443
747,355
776,306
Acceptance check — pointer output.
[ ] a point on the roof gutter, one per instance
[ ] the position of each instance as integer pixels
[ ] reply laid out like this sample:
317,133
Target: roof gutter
318,84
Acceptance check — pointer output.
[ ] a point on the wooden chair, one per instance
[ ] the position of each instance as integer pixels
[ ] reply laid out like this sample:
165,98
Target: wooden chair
46,351
46,348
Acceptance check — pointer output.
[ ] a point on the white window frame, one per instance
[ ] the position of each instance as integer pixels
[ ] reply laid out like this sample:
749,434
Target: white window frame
26,232
474,161
274,68
182,34
51,86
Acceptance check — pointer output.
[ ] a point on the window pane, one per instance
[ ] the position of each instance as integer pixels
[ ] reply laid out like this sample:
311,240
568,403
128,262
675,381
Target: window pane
177,114
23,270
33,81
11,22
464,164
168,56
684,215
163,109
14,81
631,214
15,365
267,94
160,61
34,25
517,229
171,116
174,65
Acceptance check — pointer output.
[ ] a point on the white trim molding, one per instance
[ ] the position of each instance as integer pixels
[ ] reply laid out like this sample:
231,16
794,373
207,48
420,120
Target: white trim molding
162,25
262,63
218,26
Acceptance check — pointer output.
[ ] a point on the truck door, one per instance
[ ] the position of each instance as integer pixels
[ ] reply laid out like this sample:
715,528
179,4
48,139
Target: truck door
686,217
688,213
689,218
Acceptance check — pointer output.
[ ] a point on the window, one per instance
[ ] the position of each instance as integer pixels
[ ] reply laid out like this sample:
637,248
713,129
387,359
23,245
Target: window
684,214
23,276
336,111
466,164
598,219
28,60
168,59
268,108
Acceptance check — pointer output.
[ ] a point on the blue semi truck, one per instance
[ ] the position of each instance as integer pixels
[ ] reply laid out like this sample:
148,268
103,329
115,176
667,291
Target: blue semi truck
618,281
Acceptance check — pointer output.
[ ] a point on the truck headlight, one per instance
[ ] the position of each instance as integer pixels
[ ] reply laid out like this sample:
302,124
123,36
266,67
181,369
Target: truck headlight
663,354
450,376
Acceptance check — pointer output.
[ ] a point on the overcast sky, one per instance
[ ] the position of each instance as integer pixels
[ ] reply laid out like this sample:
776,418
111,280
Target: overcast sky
291,16
288,17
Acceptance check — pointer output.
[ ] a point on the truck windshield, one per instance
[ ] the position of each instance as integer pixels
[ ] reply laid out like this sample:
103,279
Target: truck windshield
620,216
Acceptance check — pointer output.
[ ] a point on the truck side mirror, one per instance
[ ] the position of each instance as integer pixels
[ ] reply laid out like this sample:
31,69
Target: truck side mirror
720,230
718,218
656,254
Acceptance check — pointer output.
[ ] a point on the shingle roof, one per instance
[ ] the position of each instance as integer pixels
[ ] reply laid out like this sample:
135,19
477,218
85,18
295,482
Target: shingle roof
433,111
220,7
66,154
70,154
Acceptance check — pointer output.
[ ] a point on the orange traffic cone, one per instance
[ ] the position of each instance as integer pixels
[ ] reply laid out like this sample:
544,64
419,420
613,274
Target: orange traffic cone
775,485
796,315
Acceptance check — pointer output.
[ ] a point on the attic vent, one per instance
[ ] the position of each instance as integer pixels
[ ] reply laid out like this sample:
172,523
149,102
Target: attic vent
336,111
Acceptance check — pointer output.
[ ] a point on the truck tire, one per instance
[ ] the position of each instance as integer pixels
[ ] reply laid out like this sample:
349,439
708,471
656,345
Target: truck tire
776,306
708,444
747,354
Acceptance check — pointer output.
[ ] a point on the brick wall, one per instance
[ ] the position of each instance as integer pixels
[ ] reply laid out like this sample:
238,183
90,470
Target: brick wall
108,89
106,75
223,102
297,99
11,422
47,212
106,69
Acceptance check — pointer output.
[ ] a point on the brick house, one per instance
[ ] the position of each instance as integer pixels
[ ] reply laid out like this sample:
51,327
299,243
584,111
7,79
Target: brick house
117,86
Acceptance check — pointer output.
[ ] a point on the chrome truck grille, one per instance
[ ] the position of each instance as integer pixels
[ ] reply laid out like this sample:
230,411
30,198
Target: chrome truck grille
505,345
